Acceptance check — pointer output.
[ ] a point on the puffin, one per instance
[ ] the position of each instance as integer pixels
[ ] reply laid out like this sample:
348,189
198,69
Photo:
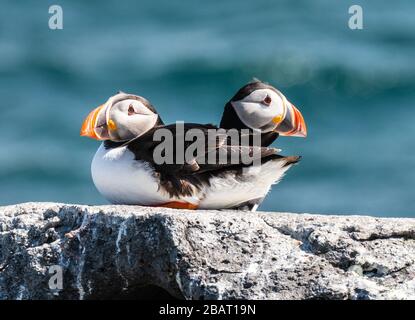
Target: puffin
125,169
260,107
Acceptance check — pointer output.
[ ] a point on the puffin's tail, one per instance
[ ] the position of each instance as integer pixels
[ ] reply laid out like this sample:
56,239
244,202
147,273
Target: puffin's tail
271,171
287,161
275,166
290,160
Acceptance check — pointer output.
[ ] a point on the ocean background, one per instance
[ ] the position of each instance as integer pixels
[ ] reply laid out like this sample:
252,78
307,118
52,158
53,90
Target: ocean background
355,88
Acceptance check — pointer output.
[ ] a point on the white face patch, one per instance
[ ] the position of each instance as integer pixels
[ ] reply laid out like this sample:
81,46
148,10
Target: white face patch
131,104
255,113
131,118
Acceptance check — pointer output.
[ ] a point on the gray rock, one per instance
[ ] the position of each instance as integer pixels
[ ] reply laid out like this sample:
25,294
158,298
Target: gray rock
136,252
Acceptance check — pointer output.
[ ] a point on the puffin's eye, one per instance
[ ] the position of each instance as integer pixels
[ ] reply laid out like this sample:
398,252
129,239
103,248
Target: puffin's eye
131,110
267,101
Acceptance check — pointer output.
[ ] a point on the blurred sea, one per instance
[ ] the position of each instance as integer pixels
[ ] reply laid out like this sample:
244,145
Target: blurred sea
355,89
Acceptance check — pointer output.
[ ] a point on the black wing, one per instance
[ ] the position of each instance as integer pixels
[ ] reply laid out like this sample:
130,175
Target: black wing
179,177
215,147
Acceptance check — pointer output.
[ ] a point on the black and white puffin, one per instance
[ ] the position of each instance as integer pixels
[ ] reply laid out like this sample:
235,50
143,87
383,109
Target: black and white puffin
260,106
125,172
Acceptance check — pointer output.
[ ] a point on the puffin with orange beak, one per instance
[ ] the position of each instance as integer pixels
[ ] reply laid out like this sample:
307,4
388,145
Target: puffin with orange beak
259,106
125,168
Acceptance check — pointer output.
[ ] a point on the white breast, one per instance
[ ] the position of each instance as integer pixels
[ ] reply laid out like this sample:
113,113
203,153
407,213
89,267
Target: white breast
123,180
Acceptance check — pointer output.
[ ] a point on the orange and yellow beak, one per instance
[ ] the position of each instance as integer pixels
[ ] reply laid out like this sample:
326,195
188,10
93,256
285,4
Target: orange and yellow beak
293,124
90,125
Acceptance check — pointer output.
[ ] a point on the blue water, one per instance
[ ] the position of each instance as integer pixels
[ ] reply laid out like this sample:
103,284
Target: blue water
354,88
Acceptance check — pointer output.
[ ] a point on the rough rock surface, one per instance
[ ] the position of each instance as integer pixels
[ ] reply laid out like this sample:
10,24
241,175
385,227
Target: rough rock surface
133,252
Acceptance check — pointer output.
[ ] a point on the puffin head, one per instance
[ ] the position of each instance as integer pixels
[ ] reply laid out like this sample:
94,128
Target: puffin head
260,106
123,117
